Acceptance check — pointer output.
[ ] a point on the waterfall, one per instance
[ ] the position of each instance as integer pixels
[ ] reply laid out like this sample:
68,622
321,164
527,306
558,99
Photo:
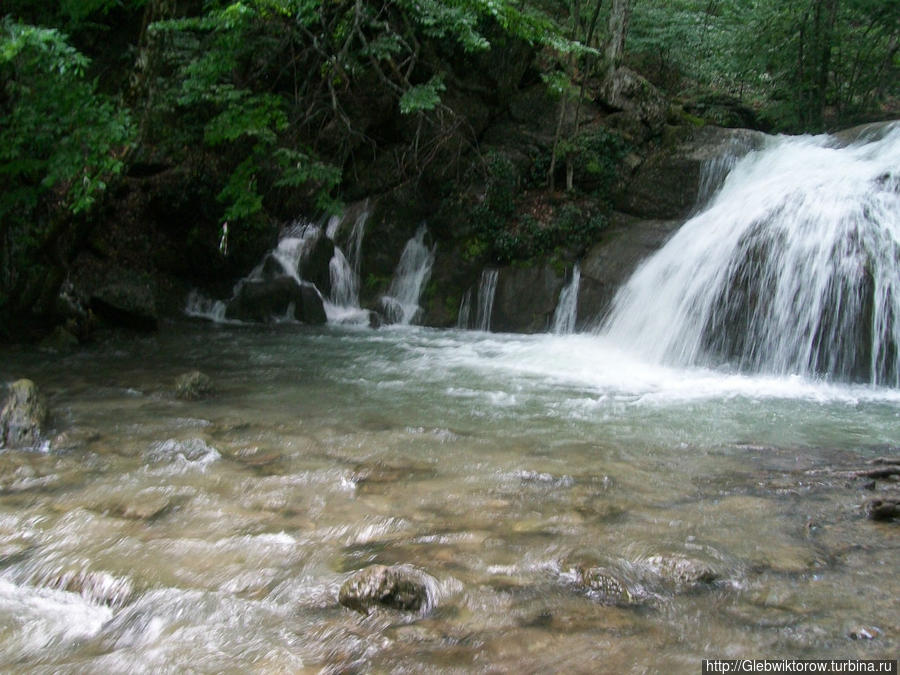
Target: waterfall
566,309
487,288
201,307
401,304
342,305
465,310
344,286
294,246
791,268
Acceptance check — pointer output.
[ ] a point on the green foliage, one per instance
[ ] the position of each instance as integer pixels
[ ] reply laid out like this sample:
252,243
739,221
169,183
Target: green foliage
596,154
259,80
502,232
422,96
60,141
799,60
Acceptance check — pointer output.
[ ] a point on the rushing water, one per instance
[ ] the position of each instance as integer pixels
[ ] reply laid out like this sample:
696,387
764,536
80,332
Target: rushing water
484,309
401,304
567,309
158,533
792,268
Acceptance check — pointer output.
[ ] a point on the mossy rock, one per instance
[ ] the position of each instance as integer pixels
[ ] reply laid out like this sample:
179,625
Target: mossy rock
193,386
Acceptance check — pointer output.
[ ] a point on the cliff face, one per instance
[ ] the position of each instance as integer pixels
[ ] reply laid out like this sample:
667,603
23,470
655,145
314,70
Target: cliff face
633,168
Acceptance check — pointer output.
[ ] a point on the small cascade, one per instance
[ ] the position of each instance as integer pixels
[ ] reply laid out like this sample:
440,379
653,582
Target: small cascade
487,288
293,249
401,304
465,310
201,307
342,305
793,268
344,283
566,310
294,255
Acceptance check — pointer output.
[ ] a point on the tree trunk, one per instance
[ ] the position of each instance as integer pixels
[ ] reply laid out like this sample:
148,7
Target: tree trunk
617,27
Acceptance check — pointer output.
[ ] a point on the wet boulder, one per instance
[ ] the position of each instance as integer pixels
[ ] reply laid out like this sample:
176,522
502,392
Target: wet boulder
316,265
398,587
681,571
265,300
606,586
669,184
526,298
23,416
192,386
609,263
884,508
128,302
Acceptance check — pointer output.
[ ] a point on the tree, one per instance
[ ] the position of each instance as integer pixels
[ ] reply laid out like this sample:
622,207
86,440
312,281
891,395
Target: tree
60,143
806,64
286,89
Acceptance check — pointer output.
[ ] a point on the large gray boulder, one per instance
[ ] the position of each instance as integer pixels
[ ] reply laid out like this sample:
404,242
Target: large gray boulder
669,184
526,298
265,300
624,90
609,263
23,416
127,302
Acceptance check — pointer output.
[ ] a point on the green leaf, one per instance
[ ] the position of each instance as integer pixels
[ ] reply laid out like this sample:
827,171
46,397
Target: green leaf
422,96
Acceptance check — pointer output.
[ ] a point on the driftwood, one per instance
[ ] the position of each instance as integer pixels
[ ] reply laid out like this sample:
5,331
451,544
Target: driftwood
881,467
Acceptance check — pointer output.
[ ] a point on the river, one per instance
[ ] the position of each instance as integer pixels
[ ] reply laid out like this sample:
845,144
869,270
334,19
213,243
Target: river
162,535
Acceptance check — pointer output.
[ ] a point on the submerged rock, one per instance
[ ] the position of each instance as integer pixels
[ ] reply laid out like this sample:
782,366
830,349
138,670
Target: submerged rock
384,473
59,340
398,587
192,386
23,416
98,587
144,505
681,571
606,586
885,508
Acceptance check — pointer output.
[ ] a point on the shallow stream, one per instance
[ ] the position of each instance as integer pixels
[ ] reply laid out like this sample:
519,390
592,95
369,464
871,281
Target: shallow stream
156,534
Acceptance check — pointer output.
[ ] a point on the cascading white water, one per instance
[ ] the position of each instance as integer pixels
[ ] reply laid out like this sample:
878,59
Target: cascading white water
342,305
293,247
201,307
401,304
487,288
567,308
344,285
792,268
465,310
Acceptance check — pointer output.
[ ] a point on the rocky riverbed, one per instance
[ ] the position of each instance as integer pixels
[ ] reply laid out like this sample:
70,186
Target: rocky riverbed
359,500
